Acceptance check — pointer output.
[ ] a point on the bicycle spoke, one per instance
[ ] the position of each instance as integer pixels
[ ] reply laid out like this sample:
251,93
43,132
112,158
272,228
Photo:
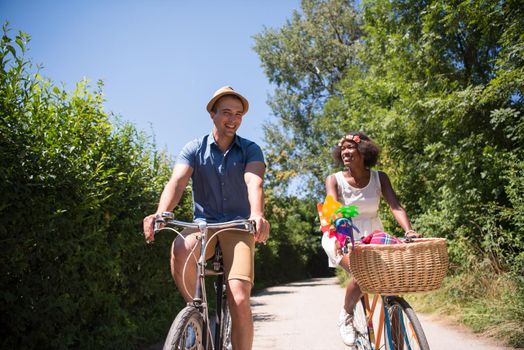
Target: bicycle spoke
403,329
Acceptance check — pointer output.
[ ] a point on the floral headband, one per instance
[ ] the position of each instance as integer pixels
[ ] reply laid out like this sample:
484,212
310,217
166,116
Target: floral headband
349,137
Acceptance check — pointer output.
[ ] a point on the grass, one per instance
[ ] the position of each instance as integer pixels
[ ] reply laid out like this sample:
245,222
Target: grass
492,305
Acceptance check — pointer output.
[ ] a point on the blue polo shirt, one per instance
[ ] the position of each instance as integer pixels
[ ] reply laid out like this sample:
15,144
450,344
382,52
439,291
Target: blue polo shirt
219,188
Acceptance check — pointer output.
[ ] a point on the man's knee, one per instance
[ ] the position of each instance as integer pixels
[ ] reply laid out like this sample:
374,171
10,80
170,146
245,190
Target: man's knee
176,250
240,293
180,252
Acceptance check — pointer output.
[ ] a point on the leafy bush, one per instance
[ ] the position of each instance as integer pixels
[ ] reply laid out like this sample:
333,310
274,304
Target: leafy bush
75,184
293,251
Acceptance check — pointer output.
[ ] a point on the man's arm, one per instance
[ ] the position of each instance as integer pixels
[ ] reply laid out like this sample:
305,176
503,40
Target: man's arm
254,177
170,196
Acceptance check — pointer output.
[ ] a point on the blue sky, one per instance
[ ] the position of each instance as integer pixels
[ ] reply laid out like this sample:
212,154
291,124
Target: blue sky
160,60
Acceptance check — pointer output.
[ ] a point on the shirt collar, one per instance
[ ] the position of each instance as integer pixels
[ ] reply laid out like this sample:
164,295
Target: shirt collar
211,140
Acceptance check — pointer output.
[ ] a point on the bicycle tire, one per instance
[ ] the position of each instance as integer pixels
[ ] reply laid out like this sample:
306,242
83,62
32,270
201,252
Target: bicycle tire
406,330
178,337
362,341
225,331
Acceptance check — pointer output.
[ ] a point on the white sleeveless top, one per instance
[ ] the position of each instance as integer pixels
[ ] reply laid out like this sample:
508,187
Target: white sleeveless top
367,200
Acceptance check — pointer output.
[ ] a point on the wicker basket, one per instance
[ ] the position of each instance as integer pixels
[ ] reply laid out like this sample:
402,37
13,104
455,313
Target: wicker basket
419,266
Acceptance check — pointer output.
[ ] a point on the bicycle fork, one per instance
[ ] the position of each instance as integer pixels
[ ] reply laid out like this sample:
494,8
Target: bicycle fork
200,300
376,337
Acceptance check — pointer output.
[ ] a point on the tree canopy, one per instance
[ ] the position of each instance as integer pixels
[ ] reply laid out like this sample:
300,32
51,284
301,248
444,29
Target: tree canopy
438,85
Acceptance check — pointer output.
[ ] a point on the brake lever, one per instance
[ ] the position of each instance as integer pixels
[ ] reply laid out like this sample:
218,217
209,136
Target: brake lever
156,225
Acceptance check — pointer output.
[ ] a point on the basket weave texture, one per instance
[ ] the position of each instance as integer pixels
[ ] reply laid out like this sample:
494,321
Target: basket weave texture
419,266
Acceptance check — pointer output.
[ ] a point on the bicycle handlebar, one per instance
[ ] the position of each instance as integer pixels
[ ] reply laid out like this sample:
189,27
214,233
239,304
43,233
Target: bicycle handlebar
168,219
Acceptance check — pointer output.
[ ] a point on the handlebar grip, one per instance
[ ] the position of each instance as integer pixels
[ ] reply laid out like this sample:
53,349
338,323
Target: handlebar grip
161,219
168,215
158,221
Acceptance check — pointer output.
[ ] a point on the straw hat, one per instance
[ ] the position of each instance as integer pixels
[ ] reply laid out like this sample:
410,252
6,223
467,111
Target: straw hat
223,91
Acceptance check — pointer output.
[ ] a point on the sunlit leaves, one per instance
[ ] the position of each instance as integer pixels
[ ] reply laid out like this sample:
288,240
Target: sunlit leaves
75,183
305,59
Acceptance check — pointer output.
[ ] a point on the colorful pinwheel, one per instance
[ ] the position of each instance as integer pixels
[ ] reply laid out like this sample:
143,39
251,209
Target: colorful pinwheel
336,219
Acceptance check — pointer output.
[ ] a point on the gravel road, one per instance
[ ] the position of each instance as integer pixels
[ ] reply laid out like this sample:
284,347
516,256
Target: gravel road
303,315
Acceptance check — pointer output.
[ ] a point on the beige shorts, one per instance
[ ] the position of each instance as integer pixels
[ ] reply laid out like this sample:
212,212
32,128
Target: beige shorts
238,251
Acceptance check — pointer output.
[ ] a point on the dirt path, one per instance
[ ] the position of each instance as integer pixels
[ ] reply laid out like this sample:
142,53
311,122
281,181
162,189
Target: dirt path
303,315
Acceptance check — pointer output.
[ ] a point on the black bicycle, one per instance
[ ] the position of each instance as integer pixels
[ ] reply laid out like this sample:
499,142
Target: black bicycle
192,328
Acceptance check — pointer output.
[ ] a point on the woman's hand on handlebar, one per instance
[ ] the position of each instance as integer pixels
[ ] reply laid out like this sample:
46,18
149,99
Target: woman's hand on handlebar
262,228
412,234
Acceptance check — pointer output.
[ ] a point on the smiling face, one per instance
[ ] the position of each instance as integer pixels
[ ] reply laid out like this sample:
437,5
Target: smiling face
227,116
353,147
350,154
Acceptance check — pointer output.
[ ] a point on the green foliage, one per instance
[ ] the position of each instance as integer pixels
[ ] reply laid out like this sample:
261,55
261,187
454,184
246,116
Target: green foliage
488,303
305,59
436,87
294,251
439,86
75,184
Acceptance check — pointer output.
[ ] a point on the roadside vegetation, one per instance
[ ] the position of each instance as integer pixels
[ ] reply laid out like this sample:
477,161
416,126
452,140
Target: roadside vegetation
489,304
75,183
438,84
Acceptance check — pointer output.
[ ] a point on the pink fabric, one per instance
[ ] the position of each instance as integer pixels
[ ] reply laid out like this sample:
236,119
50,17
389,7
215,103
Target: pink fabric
380,237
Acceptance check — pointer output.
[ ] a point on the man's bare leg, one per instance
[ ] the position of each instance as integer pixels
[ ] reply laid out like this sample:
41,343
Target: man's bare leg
180,251
239,294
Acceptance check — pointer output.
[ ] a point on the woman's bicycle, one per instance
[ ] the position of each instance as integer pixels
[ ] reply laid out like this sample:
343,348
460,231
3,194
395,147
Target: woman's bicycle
396,321
387,321
192,327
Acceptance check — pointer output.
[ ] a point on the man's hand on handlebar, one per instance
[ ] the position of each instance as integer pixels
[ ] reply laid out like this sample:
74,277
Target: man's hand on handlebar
262,226
149,227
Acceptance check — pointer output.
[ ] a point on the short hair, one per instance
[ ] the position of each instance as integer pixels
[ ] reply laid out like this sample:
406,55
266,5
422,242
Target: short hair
367,148
214,108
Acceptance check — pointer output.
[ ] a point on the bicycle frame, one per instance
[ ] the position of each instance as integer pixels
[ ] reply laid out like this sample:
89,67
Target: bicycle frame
370,311
200,297
199,300
384,323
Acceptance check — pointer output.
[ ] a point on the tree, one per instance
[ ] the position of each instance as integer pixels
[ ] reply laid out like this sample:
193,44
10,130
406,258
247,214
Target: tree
306,58
439,86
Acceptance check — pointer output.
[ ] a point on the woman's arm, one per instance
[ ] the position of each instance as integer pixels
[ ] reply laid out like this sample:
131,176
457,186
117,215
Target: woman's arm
331,186
394,205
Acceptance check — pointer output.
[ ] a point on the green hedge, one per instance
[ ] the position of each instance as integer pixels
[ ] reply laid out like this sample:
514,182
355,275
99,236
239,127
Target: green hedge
75,184
293,251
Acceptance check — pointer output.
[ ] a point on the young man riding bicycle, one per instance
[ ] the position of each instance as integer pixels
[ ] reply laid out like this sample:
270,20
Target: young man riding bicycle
227,174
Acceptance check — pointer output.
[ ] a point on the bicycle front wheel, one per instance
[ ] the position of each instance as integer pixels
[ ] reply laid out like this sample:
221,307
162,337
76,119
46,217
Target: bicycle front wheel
362,339
225,329
405,331
187,331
